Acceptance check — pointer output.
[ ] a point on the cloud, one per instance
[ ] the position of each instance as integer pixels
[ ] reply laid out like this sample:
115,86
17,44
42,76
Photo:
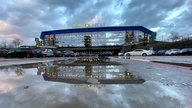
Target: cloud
5,27
71,6
27,18
149,13
7,32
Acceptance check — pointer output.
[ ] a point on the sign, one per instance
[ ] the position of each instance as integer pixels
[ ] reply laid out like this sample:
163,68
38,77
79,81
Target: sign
52,36
88,25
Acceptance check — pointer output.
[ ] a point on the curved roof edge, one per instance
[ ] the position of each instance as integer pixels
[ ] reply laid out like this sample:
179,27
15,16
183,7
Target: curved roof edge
96,29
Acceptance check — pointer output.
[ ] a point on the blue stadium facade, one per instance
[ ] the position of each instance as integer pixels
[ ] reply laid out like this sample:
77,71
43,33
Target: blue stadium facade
98,39
100,36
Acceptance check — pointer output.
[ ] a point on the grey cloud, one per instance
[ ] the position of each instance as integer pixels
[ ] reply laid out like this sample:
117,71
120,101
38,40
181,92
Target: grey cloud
183,24
187,14
89,11
162,4
71,5
149,13
29,20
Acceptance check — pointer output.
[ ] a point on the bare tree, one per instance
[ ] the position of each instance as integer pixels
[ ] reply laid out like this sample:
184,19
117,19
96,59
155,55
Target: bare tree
3,44
174,36
16,42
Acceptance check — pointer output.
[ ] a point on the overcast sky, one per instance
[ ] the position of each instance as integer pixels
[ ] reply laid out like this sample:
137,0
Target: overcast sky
26,19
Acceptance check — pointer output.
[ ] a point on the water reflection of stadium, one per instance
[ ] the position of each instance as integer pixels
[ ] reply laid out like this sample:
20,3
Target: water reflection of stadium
86,71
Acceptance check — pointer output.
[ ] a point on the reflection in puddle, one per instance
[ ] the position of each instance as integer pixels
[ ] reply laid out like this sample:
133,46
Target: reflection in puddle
88,71
80,71
93,83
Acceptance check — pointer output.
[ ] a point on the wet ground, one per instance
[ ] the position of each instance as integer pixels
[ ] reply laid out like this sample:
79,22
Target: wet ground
94,83
170,59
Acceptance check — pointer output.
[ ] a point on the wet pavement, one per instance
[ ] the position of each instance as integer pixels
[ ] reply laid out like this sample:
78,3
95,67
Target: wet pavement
95,83
172,59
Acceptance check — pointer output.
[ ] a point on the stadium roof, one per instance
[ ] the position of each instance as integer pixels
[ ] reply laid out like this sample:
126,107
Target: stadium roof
97,29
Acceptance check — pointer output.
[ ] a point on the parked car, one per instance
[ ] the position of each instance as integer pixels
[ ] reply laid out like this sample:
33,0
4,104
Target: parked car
3,52
186,51
47,52
141,52
68,53
20,52
120,54
161,52
152,51
58,53
37,52
172,52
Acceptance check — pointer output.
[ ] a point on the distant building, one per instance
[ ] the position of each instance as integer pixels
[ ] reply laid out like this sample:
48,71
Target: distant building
100,36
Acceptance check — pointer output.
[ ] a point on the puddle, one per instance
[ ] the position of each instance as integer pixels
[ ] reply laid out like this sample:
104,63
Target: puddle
80,71
86,71
84,83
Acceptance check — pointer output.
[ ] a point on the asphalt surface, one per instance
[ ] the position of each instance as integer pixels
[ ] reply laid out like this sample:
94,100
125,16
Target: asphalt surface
165,85
171,59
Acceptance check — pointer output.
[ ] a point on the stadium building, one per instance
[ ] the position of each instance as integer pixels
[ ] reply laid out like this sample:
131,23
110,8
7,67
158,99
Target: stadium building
98,39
